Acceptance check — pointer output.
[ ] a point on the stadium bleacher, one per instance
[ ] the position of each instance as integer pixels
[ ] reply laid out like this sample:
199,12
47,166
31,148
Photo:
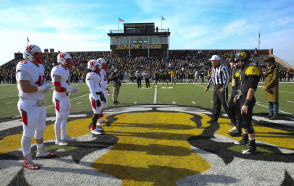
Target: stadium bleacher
184,61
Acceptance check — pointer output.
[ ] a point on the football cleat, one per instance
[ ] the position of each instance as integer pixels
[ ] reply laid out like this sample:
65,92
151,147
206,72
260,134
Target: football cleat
249,151
95,131
60,142
211,122
41,153
100,129
241,142
235,133
68,139
29,164
99,124
233,129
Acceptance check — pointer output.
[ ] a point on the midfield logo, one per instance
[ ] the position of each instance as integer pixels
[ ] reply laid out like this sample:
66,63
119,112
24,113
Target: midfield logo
150,140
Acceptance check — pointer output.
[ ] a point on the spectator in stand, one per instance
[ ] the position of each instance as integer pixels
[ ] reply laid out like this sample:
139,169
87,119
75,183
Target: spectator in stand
1,76
271,87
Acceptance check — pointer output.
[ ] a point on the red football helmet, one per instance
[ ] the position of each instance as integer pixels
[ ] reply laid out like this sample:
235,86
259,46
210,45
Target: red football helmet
33,53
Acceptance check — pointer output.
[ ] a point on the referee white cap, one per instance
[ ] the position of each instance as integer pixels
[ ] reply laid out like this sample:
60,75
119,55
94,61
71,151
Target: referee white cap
215,58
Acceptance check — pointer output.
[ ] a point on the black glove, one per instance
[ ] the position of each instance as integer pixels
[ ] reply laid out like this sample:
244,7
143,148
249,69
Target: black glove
98,103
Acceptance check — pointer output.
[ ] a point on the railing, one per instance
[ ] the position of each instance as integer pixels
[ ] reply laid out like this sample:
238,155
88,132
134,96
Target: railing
283,62
140,31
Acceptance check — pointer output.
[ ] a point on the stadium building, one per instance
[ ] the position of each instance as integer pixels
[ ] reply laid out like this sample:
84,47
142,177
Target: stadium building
139,39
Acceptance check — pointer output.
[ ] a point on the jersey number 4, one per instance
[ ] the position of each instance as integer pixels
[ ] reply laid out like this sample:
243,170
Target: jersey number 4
40,81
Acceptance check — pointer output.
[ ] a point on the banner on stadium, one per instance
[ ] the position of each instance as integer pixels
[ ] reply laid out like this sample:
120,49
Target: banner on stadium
124,47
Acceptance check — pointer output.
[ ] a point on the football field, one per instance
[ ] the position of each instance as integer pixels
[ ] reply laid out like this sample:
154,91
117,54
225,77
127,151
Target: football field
155,136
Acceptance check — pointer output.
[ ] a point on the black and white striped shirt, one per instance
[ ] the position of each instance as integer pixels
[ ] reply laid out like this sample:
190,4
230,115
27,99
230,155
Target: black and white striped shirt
219,76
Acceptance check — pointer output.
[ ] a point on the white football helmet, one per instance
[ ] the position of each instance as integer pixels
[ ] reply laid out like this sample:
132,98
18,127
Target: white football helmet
102,63
33,53
64,59
94,65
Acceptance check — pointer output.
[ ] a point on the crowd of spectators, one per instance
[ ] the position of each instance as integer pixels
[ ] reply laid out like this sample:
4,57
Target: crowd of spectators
188,66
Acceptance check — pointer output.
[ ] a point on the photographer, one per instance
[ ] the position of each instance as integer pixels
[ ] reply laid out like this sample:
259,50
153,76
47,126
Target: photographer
115,77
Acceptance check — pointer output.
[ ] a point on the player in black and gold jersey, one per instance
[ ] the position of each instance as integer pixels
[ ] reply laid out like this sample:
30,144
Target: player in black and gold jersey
234,108
249,78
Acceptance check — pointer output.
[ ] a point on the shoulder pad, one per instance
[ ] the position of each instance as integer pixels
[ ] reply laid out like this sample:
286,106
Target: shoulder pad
91,75
252,71
57,71
24,66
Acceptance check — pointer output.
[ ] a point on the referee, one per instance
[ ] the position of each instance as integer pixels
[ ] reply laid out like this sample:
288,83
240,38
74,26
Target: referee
220,78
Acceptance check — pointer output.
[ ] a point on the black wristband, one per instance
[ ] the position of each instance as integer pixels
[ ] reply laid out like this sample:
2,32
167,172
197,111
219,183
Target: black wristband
246,103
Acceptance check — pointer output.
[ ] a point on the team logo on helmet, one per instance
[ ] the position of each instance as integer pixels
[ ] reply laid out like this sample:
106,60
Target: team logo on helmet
94,65
243,54
64,59
102,62
33,53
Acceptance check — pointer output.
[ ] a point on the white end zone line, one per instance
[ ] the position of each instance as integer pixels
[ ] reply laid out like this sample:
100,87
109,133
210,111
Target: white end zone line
155,95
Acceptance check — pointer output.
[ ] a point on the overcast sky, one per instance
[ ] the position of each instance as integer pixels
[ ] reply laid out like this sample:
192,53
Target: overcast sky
194,24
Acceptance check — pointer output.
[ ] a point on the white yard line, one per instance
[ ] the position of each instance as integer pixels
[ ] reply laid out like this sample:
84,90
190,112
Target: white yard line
287,92
258,103
194,102
70,99
155,95
174,102
290,101
79,103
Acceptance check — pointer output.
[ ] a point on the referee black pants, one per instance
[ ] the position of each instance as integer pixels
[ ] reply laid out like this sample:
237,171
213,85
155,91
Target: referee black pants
219,98
139,82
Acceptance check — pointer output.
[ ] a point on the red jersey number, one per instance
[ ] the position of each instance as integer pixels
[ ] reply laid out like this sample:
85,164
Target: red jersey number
40,81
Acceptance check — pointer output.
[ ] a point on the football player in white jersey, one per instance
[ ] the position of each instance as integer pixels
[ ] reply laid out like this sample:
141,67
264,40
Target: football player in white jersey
32,88
93,82
62,89
105,90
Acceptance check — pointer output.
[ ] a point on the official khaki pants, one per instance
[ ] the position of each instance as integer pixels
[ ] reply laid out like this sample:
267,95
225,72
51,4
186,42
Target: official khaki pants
115,93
